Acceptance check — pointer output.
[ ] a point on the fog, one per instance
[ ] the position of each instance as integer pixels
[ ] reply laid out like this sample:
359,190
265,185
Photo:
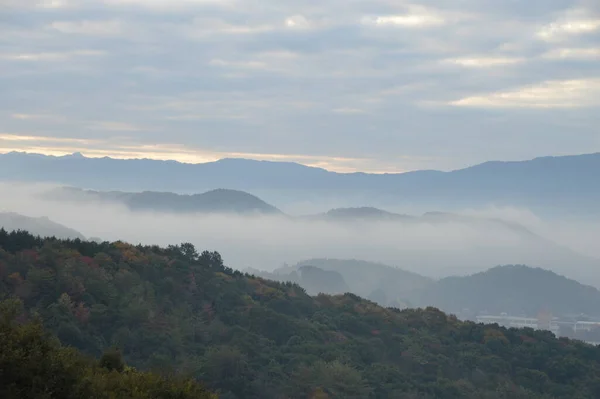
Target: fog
267,242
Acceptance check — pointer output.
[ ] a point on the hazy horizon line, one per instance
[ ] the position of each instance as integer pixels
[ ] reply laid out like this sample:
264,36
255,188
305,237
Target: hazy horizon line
274,159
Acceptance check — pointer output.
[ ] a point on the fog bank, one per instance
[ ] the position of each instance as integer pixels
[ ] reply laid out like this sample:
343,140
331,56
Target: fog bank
267,242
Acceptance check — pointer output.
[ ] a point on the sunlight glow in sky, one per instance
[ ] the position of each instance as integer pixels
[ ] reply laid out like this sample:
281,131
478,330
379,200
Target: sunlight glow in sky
375,86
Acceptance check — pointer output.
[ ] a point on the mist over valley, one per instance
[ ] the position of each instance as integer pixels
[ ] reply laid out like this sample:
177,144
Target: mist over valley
251,233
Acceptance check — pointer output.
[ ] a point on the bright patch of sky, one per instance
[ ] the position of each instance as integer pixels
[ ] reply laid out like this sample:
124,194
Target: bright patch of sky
347,85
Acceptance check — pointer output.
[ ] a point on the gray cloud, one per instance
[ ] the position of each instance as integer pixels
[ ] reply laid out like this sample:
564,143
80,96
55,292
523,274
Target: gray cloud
380,85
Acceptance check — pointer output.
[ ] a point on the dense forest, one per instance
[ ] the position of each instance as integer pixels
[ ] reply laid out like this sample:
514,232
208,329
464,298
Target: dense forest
174,311
36,366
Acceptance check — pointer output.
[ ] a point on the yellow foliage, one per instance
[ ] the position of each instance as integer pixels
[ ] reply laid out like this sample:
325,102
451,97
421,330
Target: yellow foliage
224,276
15,278
122,245
491,334
319,393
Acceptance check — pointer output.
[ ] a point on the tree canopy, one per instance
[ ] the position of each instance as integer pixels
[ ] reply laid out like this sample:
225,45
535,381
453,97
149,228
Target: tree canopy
35,366
179,311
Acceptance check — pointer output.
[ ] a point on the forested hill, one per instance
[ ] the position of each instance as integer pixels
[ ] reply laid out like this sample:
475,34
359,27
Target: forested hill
35,366
174,310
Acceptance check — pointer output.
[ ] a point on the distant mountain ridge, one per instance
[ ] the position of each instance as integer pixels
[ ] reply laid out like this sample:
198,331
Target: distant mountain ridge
39,226
235,201
215,201
315,280
566,181
362,213
500,241
377,214
386,285
512,289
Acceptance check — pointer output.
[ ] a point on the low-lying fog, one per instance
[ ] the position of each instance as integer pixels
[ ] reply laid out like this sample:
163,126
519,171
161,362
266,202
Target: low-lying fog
267,242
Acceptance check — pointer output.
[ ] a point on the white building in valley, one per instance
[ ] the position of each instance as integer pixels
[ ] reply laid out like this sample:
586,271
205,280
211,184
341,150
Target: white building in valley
585,326
507,321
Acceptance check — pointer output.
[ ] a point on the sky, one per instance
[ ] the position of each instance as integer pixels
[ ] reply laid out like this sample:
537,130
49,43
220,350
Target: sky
376,86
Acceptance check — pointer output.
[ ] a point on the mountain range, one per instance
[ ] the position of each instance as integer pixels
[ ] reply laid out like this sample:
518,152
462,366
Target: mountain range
568,183
240,202
361,213
435,244
214,201
386,285
511,289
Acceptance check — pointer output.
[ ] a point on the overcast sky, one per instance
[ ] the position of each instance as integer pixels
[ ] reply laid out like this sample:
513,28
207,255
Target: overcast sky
343,84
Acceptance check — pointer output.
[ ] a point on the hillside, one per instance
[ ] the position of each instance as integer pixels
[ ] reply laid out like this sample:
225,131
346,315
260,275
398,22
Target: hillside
361,213
35,366
566,183
175,310
386,285
313,279
491,240
514,290
215,201
372,214
41,226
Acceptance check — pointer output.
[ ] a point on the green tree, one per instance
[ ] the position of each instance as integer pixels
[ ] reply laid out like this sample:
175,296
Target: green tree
112,359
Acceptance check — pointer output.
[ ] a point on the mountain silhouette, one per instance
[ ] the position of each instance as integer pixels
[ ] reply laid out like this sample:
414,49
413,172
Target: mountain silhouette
566,182
512,289
39,226
214,201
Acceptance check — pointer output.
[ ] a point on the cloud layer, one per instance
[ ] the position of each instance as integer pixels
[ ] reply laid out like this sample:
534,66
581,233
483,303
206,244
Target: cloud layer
376,86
